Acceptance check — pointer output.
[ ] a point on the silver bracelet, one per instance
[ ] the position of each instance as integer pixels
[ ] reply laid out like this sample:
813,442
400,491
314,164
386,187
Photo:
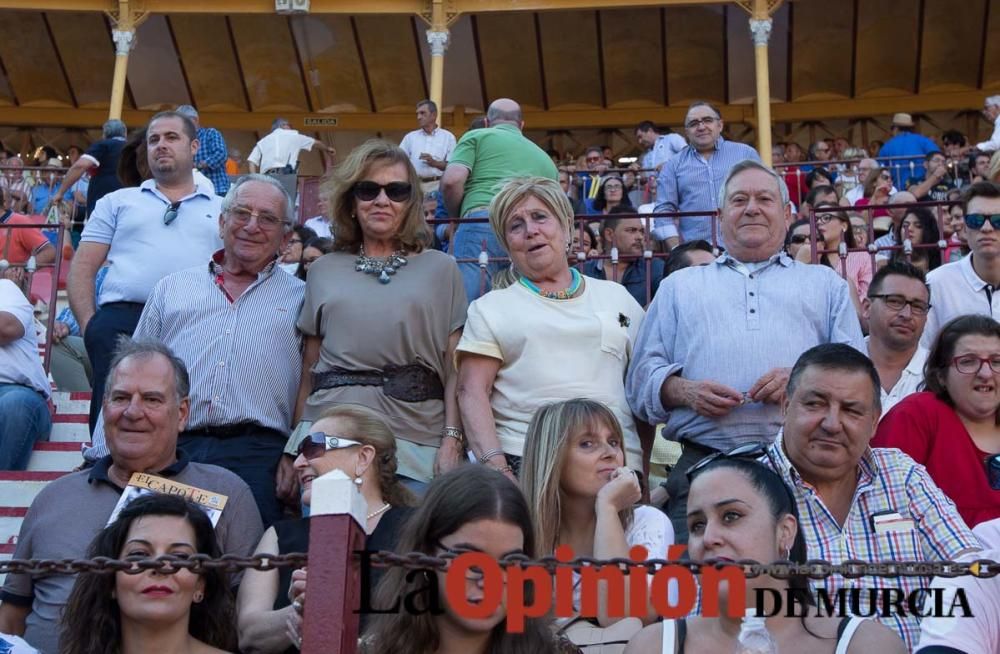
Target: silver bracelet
489,454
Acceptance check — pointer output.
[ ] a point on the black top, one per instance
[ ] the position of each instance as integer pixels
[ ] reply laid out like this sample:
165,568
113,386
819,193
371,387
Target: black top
105,179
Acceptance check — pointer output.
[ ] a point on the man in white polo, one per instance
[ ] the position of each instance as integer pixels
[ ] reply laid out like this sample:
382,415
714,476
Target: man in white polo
429,146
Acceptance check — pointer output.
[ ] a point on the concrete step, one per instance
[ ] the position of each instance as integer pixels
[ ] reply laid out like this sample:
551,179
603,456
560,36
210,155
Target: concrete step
56,456
18,489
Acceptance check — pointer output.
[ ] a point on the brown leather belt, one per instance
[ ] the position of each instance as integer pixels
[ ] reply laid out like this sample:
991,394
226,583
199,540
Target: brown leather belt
410,383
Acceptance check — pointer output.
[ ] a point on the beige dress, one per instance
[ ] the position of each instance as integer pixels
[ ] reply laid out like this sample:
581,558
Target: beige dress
366,325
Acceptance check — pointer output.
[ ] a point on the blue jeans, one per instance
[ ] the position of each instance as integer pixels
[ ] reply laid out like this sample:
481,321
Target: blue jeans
469,239
24,419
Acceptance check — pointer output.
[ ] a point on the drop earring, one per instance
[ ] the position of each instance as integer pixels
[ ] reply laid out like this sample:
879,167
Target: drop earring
358,481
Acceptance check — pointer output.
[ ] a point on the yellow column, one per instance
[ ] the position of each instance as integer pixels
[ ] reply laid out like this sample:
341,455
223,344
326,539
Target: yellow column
437,39
760,28
124,40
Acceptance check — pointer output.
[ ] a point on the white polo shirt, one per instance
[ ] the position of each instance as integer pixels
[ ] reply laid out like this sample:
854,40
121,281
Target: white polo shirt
142,249
439,144
909,382
280,148
956,290
19,361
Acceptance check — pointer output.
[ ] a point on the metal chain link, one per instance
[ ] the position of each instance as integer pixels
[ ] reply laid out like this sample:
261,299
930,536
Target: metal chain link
200,563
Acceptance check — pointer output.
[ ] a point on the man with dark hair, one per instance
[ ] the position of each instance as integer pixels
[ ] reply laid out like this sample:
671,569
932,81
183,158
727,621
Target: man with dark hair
690,181
954,144
483,159
101,162
980,169
625,239
212,153
146,404
855,502
429,146
971,284
164,225
896,311
939,181
821,194
660,147
685,255
708,361
906,142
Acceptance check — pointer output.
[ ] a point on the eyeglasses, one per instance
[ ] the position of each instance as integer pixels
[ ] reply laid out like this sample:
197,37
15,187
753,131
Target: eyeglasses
977,220
592,159
798,239
970,364
367,191
243,216
748,451
170,215
318,443
886,176
695,123
898,302
828,217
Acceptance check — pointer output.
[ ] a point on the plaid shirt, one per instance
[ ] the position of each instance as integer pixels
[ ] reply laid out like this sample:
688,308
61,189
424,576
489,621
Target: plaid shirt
888,482
211,158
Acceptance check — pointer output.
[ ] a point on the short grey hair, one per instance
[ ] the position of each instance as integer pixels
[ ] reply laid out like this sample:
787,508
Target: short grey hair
230,199
113,128
992,101
750,164
279,123
145,349
495,115
187,110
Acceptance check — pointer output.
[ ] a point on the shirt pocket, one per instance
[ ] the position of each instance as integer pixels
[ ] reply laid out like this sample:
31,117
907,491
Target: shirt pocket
614,334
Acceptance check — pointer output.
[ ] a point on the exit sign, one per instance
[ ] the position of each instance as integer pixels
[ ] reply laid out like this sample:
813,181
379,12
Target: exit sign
320,122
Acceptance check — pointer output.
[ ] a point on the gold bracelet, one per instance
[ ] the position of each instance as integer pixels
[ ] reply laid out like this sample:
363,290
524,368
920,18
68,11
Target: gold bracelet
456,433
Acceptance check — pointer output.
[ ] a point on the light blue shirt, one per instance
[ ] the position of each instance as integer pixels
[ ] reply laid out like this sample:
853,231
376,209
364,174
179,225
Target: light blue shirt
142,249
730,323
663,150
689,182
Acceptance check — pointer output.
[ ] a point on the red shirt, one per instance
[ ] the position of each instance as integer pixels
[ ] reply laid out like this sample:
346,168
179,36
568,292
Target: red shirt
931,432
23,242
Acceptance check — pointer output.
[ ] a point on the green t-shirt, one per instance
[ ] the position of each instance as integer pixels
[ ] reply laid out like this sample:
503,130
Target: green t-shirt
493,155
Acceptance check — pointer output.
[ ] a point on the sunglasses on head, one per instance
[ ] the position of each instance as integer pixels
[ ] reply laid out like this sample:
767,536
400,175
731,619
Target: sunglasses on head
747,452
318,443
977,220
367,191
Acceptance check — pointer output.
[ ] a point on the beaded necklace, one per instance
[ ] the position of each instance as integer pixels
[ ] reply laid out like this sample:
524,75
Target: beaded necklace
564,294
381,268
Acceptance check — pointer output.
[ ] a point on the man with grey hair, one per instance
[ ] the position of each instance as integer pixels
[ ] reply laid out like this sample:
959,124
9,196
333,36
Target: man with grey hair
146,404
482,160
164,225
232,320
278,152
719,387
991,111
429,146
212,153
101,162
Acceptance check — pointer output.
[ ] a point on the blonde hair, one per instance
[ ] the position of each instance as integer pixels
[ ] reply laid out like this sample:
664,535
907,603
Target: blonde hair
545,446
515,191
413,234
363,424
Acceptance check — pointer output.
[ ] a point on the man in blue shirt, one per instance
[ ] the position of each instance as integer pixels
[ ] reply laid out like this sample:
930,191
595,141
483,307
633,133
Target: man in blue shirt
691,180
212,153
906,142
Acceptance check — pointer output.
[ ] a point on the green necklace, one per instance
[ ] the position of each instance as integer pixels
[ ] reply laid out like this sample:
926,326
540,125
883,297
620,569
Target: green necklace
556,295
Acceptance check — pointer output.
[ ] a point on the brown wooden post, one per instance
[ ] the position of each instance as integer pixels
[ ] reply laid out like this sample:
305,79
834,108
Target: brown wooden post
337,513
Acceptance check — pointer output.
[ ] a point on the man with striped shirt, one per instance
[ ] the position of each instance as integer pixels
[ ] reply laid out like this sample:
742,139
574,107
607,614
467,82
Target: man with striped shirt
232,321
855,502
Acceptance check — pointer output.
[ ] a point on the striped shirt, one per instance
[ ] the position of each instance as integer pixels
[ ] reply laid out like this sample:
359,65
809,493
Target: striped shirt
243,356
889,482
730,323
689,182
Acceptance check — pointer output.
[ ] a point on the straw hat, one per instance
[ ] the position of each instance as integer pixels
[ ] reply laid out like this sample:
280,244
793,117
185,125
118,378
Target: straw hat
902,120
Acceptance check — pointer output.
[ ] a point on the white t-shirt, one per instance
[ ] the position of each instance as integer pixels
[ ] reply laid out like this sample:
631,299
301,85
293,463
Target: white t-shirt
975,634
957,290
279,148
988,533
320,225
910,381
438,144
19,361
552,350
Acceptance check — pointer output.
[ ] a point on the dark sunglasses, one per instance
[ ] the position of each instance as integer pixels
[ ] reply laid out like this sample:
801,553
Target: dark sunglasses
318,443
798,239
171,213
748,452
993,470
395,191
977,220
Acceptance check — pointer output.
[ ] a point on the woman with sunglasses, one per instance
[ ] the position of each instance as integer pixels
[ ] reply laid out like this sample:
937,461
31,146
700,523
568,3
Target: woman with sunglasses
582,495
739,509
953,428
151,611
919,227
471,508
877,189
382,315
357,442
834,232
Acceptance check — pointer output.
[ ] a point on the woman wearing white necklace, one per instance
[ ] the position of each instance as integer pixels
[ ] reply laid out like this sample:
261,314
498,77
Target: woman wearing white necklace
549,335
382,314
357,442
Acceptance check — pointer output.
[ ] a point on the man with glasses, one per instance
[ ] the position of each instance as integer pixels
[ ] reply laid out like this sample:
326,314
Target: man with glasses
896,311
691,180
971,284
856,502
231,319
147,232
856,192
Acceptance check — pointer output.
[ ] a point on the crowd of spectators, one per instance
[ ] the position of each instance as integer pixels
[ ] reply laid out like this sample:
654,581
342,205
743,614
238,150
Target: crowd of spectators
821,344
